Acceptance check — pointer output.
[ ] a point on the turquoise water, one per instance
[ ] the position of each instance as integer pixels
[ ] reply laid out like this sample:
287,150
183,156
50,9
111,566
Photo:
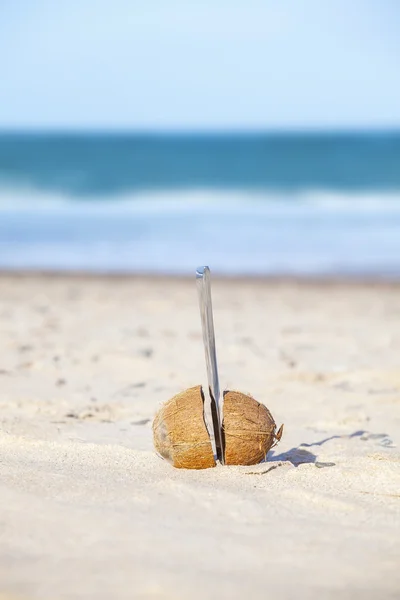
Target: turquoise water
303,204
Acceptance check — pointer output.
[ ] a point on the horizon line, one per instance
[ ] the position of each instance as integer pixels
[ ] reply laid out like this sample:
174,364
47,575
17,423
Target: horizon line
200,132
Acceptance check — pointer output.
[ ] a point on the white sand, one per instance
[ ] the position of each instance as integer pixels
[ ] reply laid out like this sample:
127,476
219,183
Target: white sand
87,510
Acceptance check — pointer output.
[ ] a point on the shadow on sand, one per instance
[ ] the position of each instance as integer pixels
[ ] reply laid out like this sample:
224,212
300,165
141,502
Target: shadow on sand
300,455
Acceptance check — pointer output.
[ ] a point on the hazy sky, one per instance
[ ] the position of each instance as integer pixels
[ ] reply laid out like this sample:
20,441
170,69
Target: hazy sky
193,64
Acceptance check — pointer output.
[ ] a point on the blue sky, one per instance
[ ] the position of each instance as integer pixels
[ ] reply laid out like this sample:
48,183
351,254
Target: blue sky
191,64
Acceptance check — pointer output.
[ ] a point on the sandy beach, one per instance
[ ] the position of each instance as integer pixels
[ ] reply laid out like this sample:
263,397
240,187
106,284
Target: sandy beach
88,510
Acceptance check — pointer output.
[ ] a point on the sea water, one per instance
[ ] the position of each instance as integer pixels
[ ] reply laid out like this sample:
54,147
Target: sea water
246,204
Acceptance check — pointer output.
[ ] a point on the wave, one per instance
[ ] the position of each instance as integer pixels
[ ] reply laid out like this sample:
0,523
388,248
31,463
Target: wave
186,201
242,233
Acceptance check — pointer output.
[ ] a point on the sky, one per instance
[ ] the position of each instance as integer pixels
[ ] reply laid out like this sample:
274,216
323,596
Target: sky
199,64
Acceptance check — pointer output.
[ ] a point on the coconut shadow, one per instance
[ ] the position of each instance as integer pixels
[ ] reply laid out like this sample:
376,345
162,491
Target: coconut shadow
300,456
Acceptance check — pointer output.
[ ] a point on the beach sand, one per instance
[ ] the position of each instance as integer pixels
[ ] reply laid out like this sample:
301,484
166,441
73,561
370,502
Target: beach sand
88,510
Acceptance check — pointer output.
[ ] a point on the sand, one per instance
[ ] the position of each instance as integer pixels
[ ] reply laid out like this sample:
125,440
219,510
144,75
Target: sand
87,509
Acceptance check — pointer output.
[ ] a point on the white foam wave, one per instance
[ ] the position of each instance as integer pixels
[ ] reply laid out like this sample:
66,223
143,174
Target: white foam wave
172,232
192,201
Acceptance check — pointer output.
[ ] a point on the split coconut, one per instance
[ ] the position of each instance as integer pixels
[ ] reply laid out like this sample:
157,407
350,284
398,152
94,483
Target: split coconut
181,436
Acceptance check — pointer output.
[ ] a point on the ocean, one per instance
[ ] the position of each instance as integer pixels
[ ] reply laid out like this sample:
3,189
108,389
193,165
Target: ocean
320,204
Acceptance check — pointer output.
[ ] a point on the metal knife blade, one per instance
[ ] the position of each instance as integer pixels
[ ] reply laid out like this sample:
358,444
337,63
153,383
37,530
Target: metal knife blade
207,322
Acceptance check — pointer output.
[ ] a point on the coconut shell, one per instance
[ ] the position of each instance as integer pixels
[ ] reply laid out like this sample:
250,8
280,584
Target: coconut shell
248,429
180,434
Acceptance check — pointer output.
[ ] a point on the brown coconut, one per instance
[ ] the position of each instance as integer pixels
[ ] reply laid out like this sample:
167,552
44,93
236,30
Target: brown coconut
248,429
180,434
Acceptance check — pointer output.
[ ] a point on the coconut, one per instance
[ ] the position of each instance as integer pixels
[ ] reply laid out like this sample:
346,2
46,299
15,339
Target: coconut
180,434
248,429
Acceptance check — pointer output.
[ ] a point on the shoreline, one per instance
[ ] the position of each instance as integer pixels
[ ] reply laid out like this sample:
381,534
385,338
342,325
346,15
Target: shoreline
300,280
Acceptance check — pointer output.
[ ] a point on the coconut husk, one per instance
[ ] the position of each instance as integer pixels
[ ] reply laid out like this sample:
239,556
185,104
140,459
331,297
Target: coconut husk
248,429
180,434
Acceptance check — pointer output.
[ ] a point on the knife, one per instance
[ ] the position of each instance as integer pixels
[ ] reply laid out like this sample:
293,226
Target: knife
207,323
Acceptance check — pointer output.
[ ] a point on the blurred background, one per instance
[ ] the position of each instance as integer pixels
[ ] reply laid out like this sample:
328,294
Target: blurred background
259,137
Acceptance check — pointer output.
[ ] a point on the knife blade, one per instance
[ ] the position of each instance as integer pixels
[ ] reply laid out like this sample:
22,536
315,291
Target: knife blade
203,281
